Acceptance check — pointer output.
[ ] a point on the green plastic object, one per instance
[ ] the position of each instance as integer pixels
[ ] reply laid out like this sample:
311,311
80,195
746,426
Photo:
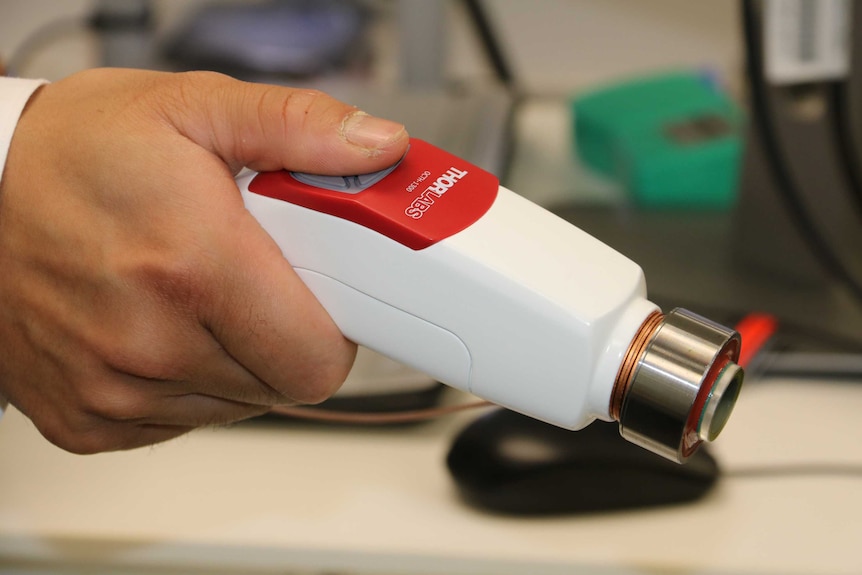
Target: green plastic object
673,141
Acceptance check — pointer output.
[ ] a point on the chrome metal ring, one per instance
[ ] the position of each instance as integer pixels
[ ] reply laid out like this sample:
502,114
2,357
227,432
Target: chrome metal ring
683,387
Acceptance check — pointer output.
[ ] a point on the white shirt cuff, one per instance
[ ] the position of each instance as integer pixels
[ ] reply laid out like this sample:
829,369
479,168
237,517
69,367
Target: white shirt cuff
14,95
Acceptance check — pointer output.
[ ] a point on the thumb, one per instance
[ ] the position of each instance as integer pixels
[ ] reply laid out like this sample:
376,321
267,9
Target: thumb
267,127
259,310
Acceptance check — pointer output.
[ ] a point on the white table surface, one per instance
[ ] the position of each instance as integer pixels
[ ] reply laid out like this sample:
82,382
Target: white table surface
277,499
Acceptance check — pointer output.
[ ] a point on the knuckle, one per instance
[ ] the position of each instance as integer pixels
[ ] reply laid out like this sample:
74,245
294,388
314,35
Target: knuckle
182,96
135,351
297,108
151,338
192,85
319,391
324,380
81,437
86,443
203,77
112,403
298,101
177,279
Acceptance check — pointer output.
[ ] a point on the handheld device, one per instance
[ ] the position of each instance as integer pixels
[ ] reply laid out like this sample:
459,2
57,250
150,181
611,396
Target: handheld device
432,263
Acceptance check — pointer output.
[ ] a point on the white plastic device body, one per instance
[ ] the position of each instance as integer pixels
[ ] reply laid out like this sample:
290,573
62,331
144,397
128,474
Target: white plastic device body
520,308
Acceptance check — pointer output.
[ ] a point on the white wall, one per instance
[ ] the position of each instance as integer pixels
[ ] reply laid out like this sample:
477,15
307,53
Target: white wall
558,45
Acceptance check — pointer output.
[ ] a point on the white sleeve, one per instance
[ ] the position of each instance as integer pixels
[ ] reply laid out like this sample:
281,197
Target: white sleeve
14,95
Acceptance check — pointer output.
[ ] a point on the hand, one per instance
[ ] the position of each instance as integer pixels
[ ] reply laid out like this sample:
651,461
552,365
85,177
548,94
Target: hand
138,298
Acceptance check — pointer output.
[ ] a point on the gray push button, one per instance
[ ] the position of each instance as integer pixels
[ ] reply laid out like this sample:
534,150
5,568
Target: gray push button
349,184
346,184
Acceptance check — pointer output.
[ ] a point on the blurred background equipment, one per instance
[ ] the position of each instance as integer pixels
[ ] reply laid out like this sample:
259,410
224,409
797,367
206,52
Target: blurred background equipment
327,44
799,223
275,39
671,140
791,244
126,32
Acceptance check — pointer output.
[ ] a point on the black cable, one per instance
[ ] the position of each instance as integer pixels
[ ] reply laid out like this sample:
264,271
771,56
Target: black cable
490,42
843,124
847,144
794,470
766,128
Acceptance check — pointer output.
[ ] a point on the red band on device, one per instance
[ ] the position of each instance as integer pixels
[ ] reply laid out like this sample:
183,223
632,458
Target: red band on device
428,197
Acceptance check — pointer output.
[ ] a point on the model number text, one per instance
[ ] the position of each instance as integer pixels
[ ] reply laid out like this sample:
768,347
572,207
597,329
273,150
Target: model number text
436,190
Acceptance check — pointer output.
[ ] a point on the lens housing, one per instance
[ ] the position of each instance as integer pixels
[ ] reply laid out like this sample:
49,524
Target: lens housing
678,383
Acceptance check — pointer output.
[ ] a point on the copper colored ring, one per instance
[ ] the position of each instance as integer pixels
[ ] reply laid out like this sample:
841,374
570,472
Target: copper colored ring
635,352
672,379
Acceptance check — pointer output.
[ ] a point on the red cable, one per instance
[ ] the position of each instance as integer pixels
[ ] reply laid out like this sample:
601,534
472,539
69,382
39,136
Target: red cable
756,330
